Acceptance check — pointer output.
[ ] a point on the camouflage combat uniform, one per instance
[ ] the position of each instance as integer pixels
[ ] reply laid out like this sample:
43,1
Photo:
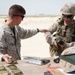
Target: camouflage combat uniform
10,41
65,32
61,31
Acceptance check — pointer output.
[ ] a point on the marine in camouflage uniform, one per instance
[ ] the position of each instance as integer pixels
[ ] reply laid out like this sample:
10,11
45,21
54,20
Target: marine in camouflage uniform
11,33
67,32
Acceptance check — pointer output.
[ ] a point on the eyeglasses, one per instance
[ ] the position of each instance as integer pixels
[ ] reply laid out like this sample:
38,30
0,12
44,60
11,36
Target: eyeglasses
20,16
67,16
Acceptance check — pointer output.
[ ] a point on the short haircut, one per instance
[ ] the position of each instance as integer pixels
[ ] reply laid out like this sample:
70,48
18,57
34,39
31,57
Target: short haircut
16,10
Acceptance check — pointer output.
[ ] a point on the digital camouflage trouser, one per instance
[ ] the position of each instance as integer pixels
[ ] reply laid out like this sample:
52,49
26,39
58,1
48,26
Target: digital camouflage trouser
55,50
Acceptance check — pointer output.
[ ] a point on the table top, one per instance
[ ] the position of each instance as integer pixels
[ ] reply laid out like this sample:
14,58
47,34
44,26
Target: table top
69,58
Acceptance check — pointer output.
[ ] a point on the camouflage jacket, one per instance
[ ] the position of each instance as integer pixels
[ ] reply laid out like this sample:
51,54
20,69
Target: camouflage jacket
10,42
60,30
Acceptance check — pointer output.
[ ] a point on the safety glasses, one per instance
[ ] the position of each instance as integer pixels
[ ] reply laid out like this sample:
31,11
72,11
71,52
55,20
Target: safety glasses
67,16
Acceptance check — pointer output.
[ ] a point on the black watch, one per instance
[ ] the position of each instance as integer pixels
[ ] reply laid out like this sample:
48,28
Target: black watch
37,30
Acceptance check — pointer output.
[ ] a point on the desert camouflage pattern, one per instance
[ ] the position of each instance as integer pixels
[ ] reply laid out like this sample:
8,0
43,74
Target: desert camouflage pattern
68,9
66,32
59,28
55,50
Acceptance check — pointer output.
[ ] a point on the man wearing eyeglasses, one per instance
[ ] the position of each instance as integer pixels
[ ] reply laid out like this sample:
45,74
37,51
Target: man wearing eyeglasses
11,33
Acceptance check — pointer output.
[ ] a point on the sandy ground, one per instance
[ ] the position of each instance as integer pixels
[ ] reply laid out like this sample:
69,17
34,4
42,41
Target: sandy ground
36,45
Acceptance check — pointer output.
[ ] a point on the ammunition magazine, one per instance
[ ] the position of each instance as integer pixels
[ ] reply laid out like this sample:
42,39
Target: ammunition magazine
3,70
11,60
14,70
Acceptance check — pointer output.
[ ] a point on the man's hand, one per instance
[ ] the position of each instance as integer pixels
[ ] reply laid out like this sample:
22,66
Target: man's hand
63,45
6,57
59,41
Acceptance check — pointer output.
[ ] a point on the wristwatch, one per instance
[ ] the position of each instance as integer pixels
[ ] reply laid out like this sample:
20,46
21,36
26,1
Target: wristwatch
37,30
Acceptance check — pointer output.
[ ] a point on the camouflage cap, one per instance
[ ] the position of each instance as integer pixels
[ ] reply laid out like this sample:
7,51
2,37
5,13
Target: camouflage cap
68,9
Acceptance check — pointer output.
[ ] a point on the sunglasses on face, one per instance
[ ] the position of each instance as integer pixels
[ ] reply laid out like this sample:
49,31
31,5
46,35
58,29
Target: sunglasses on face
22,16
67,16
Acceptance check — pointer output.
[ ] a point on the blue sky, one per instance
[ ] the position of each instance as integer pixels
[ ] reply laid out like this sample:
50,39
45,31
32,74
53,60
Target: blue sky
35,7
